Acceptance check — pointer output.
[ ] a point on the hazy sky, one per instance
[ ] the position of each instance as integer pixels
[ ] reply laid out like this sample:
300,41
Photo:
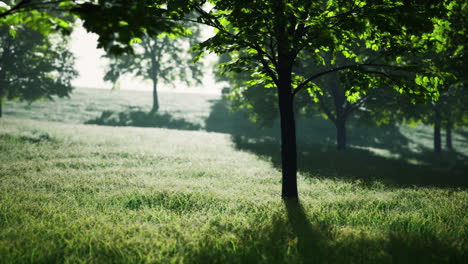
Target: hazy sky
91,67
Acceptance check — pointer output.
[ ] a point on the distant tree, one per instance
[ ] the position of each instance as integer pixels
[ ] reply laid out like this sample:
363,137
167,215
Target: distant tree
454,110
448,112
158,58
33,66
275,33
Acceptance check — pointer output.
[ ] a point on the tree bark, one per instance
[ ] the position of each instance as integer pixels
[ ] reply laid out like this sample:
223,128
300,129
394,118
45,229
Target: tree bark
155,51
288,142
341,139
448,137
284,67
339,100
437,136
288,126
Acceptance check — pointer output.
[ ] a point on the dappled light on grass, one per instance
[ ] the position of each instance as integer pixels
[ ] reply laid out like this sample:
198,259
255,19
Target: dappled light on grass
132,195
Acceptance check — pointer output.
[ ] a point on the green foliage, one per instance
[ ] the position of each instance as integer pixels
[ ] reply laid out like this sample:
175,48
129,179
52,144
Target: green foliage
45,17
120,23
33,66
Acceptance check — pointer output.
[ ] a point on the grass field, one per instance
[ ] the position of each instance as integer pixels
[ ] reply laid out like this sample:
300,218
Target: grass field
86,104
97,194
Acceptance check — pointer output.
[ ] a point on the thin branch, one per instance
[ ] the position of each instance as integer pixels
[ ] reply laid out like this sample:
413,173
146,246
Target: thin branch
353,66
320,74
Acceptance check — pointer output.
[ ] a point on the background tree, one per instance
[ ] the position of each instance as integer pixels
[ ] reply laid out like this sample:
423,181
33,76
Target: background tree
157,58
33,66
448,112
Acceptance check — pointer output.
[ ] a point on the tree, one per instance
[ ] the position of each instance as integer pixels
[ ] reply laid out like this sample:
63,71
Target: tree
331,101
448,112
275,34
33,66
451,109
157,58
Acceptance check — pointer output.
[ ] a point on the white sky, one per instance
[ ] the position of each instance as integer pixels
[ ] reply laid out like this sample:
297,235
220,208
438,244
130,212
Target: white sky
91,67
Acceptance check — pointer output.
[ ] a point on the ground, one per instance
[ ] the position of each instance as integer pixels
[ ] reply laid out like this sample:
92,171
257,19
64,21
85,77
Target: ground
86,193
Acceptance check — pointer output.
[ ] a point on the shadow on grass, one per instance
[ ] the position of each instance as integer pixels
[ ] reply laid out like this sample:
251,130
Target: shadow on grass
293,237
309,129
318,160
394,164
139,118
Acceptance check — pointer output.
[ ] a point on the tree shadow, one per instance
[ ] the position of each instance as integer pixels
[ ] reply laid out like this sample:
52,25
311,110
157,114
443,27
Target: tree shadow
138,118
293,236
358,164
311,240
377,153
309,129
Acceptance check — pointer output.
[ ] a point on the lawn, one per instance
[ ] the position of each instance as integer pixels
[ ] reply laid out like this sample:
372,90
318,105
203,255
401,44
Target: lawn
86,104
81,193
210,192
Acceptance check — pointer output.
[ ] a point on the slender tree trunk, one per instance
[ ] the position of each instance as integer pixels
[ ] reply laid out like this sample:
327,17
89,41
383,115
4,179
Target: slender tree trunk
285,60
288,143
341,140
155,51
437,136
288,127
339,100
2,83
448,136
155,96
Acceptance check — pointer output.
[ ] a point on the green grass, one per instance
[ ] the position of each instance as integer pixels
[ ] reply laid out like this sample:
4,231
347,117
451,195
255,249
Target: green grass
208,112
86,104
91,194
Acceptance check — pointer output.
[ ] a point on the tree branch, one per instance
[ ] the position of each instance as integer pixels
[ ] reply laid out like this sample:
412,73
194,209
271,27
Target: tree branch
359,67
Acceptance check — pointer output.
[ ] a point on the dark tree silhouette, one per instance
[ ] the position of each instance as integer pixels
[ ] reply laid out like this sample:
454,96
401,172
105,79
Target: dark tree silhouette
33,66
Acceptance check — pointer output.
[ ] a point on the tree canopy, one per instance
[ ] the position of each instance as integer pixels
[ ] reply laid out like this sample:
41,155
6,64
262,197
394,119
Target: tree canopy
33,66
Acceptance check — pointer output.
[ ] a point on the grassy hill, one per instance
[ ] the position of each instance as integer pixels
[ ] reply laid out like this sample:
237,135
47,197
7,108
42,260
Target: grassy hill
210,112
75,193
208,189
86,104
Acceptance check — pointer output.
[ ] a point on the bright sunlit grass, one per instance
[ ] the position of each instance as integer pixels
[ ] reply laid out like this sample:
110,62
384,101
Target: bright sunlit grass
76,193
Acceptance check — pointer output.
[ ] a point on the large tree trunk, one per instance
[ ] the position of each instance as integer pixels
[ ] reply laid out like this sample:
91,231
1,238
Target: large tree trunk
448,137
155,96
437,136
341,140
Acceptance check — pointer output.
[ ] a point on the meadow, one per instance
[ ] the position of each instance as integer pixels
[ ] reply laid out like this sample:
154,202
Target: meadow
77,193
